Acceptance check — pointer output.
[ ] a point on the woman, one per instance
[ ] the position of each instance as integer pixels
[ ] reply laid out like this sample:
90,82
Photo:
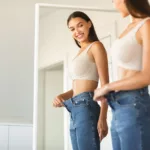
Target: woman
87,123
128,95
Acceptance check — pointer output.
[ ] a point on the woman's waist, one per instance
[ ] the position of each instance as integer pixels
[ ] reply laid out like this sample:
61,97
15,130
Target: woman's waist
86,95
80,86
125,73
114,96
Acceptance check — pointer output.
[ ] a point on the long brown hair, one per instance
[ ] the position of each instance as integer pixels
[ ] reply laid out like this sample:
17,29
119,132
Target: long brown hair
138,8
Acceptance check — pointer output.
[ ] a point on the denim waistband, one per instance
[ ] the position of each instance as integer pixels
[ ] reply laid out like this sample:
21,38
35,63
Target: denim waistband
116,95
85,96
81,96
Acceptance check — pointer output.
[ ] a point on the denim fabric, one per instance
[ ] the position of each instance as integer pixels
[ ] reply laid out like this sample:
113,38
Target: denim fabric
130,126
84,114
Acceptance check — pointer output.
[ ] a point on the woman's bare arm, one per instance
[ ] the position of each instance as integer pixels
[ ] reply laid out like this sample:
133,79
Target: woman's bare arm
67,94
100,57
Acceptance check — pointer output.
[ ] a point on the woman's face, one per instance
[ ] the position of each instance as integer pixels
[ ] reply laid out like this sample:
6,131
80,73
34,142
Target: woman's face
79,29
121,7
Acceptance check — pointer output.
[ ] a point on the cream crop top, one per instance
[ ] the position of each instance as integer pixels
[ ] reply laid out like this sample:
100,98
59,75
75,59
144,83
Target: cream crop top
126,52
83,68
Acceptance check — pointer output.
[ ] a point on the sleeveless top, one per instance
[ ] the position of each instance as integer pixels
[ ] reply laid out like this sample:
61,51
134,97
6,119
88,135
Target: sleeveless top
126,52
83,68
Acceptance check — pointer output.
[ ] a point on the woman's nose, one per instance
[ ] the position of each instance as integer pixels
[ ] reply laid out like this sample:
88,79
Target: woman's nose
76,31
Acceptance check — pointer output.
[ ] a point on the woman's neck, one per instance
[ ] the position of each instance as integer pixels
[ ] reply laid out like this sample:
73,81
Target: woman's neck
84,44
135,20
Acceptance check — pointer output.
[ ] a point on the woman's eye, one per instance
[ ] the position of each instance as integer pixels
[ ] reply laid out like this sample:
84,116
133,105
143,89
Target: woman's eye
71,29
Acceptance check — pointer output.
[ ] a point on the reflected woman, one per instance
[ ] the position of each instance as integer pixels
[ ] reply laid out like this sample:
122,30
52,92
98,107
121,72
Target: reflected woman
88,123
128,96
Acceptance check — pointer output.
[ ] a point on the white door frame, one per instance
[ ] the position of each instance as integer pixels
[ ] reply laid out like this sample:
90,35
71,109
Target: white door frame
36,50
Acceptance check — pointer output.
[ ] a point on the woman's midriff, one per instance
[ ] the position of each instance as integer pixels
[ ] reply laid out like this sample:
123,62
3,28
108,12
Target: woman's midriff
125,73
80,86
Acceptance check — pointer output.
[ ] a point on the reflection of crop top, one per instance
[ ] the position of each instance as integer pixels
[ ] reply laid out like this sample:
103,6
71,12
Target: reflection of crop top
127,52
83,68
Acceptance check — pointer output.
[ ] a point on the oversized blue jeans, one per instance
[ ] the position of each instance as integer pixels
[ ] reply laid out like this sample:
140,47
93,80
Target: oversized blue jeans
84,114
130,127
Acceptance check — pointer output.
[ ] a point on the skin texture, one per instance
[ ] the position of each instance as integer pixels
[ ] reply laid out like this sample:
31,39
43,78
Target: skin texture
79,29
131,79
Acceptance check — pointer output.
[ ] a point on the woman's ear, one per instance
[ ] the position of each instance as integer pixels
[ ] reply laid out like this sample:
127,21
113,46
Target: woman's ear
89,24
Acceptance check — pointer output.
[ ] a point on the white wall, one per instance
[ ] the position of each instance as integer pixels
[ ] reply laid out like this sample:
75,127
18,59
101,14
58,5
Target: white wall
16,47
54,117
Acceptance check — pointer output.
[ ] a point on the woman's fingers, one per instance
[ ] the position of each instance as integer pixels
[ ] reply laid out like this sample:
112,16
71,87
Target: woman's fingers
102,134
55,103
97,95
102,129
58,102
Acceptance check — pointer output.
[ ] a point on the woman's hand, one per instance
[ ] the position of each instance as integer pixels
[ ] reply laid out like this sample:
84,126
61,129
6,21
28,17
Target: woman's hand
58,101
102,128
100,93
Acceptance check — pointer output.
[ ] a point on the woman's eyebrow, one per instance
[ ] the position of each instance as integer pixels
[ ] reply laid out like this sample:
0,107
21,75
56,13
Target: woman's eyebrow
76,25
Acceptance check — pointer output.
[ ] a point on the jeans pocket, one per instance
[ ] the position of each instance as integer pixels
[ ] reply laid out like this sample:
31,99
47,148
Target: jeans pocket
126,101
94,108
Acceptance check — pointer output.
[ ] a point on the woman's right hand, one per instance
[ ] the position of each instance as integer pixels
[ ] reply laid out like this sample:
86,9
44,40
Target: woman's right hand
58,101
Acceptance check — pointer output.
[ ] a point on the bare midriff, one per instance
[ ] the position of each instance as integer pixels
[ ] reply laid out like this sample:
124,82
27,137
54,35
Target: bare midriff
80,86
125,73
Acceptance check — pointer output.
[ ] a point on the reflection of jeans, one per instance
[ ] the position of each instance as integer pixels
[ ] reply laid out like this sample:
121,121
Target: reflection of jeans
84,114
130,127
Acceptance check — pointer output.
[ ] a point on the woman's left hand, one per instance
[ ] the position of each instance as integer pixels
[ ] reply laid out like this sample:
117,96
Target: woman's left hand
100,92
102,128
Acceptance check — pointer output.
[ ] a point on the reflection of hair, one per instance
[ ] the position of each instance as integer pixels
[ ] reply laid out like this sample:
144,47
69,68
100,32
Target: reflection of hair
138,8
92,34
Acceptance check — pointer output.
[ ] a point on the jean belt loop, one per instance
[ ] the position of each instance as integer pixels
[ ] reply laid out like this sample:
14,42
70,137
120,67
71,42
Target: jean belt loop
141,91
90,94
72,100
145,89
113,96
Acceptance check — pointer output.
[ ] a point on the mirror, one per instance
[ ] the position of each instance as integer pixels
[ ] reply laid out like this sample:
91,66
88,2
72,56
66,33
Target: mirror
56,48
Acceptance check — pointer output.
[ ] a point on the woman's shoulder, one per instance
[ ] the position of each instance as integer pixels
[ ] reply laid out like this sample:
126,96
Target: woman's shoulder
97,45
145,29
145,25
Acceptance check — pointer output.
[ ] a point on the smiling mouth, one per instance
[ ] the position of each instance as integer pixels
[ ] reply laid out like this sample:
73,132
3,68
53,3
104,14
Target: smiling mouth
80,36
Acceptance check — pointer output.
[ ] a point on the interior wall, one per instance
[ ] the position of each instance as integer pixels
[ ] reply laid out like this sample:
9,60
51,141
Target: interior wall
54,118
56,42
